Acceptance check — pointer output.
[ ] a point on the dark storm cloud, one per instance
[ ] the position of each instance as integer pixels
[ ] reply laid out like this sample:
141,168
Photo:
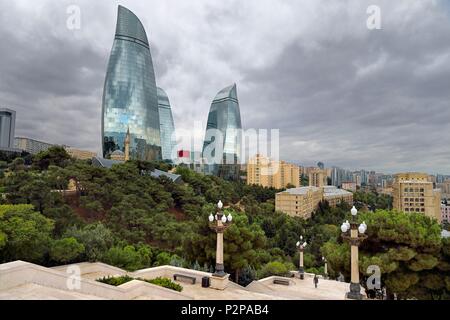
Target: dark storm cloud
338,92
49,77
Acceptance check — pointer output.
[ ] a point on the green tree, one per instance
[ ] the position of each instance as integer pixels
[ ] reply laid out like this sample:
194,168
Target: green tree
129,257
162,259
55,155
66,250
407,248
27,233
241,243
96,238
275,268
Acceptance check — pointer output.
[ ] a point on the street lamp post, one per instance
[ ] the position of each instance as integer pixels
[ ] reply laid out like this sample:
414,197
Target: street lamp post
325,270
355,235
219,223
301,247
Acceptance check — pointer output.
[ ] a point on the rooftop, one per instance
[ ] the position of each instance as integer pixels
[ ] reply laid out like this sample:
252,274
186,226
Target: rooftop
108,163
301,190
2,109
334,191
104,163
228,92
129,25
158,173
328,191
118,153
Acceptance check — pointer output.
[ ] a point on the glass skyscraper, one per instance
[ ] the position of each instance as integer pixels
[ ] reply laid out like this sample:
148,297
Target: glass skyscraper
130,96
167,127
222,152
7,128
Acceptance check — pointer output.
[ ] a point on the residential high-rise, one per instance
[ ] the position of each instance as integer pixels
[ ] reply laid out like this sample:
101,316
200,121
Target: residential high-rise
349,186
276,174
445,189
318,177
445,212
7,128
130,94
222,145
339,175
30,145
80,154
414,193
168,143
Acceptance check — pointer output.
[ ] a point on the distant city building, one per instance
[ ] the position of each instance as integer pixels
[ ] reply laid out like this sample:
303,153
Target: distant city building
389,191
440,178
276,174
357,178
373,178
445,188
335,196
364,177
303,201
223,157
318,178
167,126
339,175
413,192
349,186
445,212
329,171
80,154
432,178
130,96
197,163
117,155
30,145
7,128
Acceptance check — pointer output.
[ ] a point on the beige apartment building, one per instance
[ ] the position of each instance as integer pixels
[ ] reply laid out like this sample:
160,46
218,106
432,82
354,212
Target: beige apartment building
277,174
303,201
299,202
349,186
317,178
413,192
335,196
445,189
80,154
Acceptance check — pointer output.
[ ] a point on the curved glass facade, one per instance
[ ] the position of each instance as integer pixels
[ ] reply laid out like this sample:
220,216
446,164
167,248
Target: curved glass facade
7,128
225,117
167,127
130,96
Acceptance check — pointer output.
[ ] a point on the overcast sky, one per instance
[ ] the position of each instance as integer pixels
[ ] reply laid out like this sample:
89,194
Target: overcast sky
339,92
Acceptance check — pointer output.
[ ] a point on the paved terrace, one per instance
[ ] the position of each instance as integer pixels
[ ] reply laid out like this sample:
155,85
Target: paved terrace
23,280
